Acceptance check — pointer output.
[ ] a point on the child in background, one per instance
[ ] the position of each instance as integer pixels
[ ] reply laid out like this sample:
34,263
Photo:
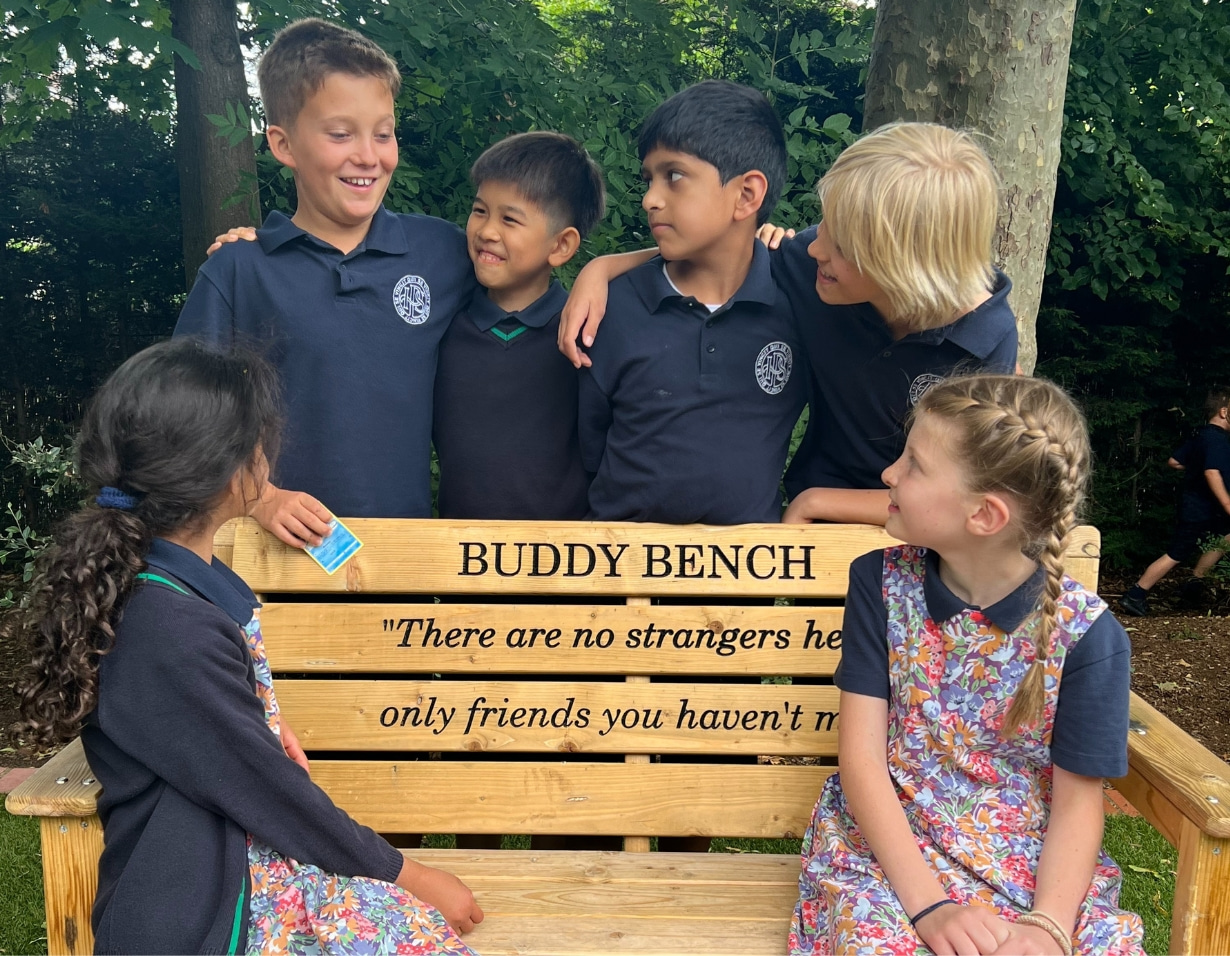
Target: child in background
984,697
1204,511
893,291
215,836
505,399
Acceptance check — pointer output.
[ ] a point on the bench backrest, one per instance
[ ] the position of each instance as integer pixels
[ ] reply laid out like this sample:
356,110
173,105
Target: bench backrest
395,693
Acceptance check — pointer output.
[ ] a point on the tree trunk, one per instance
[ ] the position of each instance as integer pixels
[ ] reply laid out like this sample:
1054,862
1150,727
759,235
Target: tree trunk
1000,67
210,170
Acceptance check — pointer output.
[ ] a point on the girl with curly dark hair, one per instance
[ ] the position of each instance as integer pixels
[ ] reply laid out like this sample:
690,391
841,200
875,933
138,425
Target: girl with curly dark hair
215,836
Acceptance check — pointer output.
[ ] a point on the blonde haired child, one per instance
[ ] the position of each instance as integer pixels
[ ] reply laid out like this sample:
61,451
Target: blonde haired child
984,696
892,291
912,207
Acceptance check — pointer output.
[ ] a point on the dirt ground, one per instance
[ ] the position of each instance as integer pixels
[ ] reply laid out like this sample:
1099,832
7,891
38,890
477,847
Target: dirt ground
1179,662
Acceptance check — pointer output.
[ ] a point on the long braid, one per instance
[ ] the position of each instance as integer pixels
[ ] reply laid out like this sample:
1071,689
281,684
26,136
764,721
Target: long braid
1026,438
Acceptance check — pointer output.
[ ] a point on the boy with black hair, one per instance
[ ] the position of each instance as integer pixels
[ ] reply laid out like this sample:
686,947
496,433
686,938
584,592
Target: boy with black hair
348,300
687,408
1204,510
505,399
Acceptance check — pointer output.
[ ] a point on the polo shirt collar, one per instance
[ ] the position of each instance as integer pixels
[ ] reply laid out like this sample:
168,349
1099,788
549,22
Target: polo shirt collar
487,315
214,582
656,290
383,235
1006,614
972,332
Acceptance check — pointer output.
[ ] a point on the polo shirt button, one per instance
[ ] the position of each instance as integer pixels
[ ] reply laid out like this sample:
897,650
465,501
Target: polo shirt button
712,348
887,353
709,324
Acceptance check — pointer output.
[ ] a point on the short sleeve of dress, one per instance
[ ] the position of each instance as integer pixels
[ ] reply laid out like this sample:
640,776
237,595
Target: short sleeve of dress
1091,718
864,631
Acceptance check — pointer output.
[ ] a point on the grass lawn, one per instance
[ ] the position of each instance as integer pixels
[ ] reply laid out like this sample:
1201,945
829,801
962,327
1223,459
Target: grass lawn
1148,863
22,929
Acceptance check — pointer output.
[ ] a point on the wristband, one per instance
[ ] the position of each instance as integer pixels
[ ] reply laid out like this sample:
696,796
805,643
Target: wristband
1051,926
930,909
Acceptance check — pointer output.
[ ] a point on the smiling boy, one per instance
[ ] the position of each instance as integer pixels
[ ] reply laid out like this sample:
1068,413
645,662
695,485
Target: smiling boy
687,408
347,299
506,400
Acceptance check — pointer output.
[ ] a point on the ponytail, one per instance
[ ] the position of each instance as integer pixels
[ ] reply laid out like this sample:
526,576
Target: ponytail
70,617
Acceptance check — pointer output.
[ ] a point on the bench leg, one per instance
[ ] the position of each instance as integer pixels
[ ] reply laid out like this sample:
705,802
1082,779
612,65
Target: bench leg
71,848
1200,923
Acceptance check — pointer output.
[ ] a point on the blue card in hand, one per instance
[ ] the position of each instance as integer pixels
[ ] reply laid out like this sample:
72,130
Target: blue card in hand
337,548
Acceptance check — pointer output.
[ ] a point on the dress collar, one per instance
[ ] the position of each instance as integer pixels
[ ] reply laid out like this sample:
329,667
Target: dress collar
1006,614
214,582
487,315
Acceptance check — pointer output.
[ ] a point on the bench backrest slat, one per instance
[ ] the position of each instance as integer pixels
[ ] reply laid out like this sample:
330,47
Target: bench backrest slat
502,671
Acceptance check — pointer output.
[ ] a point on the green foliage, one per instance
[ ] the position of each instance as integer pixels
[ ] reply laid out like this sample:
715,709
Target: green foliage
1135,304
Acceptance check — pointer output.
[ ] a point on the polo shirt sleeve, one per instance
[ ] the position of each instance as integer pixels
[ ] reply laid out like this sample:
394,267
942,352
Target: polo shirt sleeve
864,631
1184,452
209,314
593,419
1216,451
1091,717
175,695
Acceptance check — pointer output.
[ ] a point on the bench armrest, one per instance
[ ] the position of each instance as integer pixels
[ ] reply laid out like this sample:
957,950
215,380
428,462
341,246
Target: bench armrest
63,787
1178,768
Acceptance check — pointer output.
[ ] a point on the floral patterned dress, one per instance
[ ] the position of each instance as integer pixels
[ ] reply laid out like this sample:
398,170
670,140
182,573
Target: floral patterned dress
978,804
298,908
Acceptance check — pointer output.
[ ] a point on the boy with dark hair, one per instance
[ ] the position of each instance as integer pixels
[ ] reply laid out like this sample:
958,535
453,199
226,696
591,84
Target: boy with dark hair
1204,510
505,399
349,300
687,408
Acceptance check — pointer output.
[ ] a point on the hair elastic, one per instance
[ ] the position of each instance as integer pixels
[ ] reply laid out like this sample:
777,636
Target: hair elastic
111,497
930,909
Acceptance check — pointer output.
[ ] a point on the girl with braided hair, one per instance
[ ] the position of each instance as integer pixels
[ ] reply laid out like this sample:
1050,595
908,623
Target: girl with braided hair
984,697
216,839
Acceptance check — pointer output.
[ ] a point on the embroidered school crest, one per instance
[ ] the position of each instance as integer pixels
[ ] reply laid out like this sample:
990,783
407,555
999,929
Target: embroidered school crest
412,299
920,386
773,366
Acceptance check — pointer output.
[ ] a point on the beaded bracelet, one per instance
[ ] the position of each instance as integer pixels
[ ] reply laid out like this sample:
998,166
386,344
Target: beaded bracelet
1051,925
931,909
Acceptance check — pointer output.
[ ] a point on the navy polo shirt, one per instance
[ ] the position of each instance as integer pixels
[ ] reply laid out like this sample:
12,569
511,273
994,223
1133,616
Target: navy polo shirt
1091,718
863,383
506,416
685,414
355,338
1208,448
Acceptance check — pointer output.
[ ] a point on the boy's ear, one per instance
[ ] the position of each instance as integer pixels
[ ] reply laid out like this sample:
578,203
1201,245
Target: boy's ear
992,515
279,145
752,187
564,246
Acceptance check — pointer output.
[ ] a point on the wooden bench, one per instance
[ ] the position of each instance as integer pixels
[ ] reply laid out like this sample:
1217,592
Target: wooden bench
391,696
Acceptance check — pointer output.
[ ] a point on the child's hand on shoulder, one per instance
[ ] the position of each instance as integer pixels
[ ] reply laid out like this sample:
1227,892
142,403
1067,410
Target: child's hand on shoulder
965,931
772,235
234,234
294,517
445,892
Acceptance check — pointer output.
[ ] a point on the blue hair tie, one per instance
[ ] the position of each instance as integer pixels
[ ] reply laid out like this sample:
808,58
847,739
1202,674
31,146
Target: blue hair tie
110,497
